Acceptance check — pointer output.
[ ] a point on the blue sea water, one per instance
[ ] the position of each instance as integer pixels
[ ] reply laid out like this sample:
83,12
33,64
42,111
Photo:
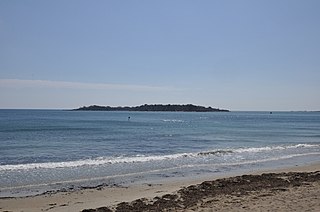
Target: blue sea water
43,150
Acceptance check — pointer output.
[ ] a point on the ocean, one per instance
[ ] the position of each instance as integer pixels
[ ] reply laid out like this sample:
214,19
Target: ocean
55,150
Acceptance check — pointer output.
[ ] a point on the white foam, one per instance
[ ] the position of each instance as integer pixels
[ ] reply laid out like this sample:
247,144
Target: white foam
258,149
304,145
272,148
142,158
91,162
172,120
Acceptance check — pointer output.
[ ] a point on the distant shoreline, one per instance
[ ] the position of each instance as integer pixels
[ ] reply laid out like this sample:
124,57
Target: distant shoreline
153,108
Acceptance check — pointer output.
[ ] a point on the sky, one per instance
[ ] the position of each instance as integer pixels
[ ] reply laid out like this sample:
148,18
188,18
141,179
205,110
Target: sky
237,55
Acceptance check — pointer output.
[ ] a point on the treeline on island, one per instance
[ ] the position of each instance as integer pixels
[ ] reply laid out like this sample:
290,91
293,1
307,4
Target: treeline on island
155,107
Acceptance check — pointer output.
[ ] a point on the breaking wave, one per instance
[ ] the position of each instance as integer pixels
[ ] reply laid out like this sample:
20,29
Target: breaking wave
144,159
172,120
272,148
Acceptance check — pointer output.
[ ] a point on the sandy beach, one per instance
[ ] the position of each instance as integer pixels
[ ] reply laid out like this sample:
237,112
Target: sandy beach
291,189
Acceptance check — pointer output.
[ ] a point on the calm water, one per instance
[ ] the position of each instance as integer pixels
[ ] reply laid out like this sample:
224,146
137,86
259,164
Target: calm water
44,150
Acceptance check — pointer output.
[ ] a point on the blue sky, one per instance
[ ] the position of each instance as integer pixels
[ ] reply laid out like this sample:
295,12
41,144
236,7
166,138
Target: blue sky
238,55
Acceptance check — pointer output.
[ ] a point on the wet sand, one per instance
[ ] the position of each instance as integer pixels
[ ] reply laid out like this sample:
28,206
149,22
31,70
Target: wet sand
292,189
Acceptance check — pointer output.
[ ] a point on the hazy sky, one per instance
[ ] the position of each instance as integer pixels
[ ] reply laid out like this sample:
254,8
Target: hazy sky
238,55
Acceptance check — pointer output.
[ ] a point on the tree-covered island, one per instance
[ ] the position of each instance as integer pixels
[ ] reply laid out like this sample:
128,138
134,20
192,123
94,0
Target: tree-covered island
155,107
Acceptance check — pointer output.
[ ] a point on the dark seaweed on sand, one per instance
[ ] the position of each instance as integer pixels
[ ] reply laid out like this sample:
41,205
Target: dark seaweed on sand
240,185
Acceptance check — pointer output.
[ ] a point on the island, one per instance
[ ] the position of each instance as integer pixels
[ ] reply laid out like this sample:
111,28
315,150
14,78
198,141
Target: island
154,108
